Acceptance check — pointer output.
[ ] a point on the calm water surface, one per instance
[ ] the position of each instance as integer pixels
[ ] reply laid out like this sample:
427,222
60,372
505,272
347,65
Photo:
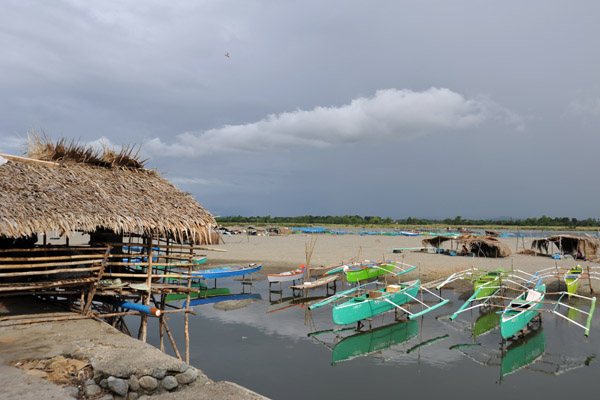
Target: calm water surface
283,351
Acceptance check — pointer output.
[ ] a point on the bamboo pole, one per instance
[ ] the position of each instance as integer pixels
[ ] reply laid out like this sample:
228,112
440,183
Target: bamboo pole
92,291
162,246
48,272
44,265
161,322
66,257
172,340
47,249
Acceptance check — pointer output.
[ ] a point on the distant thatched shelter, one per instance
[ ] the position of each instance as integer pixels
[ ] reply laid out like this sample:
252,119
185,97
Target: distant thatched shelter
483,246
579,246
67,188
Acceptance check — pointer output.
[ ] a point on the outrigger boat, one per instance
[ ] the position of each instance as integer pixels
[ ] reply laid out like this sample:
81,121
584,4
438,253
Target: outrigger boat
289,276
368,303
521,310
226,272
367,270
487,281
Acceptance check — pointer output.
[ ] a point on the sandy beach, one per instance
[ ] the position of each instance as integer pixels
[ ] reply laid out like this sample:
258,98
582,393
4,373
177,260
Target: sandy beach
286,252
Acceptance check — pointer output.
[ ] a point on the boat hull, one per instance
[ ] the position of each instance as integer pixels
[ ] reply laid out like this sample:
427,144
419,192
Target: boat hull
362,307
226,272
513,321
363,274
572,280
290,276
488,283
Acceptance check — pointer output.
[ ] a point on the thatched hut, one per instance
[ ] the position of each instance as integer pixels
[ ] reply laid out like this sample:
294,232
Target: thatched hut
481,246
582,247
123,207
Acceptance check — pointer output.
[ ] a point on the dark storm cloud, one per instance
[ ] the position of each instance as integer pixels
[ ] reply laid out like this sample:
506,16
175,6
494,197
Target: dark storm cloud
449,107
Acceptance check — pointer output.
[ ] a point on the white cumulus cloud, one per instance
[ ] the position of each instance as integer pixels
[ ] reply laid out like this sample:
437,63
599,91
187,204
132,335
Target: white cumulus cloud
390,114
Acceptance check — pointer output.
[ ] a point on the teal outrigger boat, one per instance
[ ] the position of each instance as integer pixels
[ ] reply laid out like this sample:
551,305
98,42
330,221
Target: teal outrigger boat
374,302
368,303
521,310
378,339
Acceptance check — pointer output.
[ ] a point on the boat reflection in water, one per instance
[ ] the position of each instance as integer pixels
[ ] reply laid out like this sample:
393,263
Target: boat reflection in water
486,323
517,355
523,352
365,343
239,300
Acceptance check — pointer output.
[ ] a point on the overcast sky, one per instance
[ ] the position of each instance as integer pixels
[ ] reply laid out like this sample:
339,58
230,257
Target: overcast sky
482,109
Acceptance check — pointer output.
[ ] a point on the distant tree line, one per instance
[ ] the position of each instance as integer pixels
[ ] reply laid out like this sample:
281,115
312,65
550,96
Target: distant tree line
350,220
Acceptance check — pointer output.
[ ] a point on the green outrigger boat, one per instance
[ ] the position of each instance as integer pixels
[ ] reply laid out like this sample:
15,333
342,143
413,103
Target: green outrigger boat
365,343
572,279
521,310
366,270
488,282
485,283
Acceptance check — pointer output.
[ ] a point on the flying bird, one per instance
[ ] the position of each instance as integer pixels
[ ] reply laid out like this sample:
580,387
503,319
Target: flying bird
227,54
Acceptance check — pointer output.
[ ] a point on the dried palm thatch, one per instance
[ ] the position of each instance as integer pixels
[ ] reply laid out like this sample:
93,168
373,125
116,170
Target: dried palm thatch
485,246
583,246
64,151
88,191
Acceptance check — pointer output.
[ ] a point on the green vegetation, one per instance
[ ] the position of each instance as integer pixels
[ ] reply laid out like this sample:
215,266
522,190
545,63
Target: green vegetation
356,220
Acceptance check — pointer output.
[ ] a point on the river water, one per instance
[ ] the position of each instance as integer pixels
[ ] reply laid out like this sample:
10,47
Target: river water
282,350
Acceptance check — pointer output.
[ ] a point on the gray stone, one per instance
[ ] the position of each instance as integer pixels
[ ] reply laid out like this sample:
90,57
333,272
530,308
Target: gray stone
187,377
148,383
183,367
118,386
132,396
98,376
134,384
89,382
72,391
169,382
103,383
107,396
159,373
92,390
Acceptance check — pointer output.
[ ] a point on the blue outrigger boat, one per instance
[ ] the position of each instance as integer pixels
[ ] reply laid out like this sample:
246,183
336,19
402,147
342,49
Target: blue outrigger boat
227,272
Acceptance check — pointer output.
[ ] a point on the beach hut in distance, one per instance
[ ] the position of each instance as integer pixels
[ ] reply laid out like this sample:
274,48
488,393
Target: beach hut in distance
581,247
479,246
132,225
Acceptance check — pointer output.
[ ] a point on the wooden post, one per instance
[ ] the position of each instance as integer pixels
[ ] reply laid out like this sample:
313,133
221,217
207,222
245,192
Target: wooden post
146,299
186,317
161,322
590,279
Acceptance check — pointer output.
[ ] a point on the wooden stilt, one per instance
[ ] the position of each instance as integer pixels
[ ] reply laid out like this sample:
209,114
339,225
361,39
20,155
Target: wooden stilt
172,340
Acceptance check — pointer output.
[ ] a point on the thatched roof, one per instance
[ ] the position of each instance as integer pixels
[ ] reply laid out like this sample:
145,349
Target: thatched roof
479,245
107,191
587,246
